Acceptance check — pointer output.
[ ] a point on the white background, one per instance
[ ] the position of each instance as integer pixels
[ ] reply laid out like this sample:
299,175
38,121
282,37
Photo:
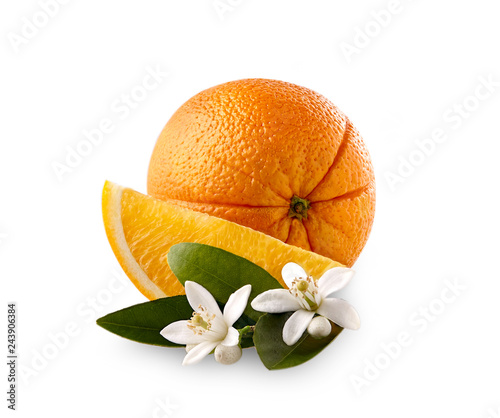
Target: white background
439,223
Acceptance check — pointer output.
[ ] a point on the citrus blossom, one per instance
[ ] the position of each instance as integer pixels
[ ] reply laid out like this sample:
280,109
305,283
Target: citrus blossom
307,297
208,328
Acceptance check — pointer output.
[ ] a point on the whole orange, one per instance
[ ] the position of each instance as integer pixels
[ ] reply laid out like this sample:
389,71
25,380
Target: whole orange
272,156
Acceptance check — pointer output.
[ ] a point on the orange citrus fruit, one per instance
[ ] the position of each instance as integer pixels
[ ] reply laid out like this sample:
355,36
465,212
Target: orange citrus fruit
142,229
272,156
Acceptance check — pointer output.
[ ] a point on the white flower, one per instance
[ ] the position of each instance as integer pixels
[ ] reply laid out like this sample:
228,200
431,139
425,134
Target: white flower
208,327
307,297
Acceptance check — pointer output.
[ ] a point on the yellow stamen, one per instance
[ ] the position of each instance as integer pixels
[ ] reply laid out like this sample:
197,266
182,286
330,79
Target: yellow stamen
201,321
305,290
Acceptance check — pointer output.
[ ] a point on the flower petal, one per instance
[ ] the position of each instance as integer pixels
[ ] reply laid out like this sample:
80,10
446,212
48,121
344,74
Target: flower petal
179,333
232,337
292,271
334,279
236,304
340,312
198,353
296,325
217,331
198,296
275,301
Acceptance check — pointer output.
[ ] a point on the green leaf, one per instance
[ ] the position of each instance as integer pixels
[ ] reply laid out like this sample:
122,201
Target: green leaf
220,272
143,322
275,354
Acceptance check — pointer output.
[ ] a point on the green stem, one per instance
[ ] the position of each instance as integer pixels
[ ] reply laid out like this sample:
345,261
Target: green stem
246,330
299,208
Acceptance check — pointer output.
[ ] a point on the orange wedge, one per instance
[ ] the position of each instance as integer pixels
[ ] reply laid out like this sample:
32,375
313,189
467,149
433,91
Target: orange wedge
142,229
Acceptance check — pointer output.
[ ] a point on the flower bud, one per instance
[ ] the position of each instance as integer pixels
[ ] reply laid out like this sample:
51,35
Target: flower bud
226,354
319,327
